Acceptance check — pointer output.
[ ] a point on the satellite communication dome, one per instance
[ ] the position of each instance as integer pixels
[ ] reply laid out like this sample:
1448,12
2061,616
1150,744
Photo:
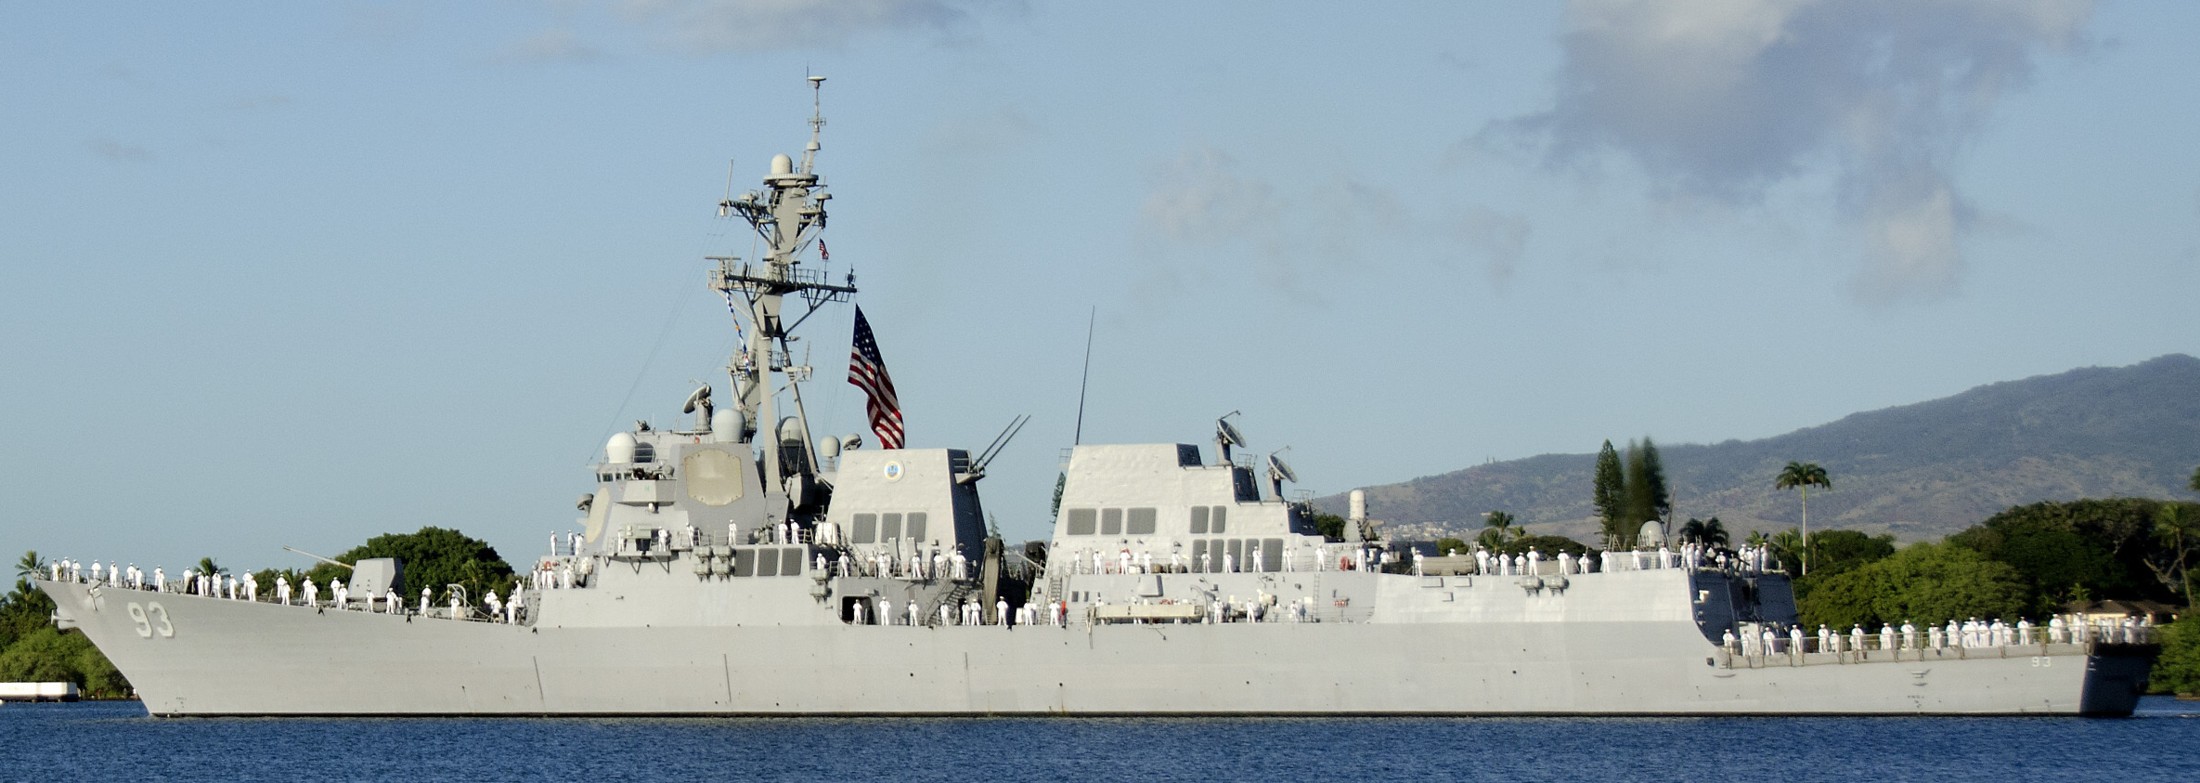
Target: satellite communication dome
829,447
1652,535
790,429
725,425
781,165
620,449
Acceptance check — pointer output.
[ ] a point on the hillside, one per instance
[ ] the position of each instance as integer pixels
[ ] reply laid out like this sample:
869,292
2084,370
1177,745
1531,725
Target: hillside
1918,471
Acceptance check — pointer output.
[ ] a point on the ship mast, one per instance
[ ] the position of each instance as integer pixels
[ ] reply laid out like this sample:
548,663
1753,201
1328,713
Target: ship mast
787,215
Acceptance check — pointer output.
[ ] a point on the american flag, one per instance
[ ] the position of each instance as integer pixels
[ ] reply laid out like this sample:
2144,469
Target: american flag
868,372
822,253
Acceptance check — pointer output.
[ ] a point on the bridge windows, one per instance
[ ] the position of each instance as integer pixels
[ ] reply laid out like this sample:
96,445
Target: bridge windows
1112,521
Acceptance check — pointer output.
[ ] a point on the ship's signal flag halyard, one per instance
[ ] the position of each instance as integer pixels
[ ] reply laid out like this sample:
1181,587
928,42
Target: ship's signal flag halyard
868,372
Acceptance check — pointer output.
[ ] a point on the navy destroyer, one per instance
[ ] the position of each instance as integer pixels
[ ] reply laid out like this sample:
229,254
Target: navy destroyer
735,564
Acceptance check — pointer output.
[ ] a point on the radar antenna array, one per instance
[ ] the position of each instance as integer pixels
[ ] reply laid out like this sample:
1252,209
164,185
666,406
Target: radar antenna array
1226,435
1280,471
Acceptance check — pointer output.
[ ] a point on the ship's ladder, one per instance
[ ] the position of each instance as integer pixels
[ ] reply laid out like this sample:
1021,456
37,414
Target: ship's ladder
952,597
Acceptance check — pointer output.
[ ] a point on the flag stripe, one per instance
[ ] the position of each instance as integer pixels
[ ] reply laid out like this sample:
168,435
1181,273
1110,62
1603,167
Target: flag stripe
867,371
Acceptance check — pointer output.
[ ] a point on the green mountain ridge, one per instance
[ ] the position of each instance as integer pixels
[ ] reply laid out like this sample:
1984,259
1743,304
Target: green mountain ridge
1917,471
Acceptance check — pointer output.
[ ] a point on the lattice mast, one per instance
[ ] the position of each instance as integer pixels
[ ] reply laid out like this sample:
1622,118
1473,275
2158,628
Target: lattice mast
787,215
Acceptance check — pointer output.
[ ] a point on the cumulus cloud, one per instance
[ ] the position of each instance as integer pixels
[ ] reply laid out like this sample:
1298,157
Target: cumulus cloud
1204,197
1726,98
763,25
1210,217
118,151
549,46
1500,238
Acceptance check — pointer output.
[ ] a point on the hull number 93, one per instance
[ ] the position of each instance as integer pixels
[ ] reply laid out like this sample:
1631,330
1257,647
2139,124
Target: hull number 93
152,618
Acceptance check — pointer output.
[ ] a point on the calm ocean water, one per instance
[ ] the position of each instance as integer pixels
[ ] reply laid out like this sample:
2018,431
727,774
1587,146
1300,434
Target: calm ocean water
116,742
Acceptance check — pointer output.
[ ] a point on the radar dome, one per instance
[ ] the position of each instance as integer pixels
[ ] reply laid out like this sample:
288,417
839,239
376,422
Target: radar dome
829,447
790,430
782,164
725,425
620,449
1652,535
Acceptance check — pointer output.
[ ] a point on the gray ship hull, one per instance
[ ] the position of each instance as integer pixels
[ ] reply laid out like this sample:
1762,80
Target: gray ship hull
223,657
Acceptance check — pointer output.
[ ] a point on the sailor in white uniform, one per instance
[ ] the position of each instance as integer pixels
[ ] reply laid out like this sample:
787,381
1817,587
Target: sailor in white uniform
424,595
1000,612
282,589
313,592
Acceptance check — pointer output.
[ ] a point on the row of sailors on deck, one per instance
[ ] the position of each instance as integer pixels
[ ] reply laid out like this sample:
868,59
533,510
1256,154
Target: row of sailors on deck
899,565
1255,560
552,576
880,611
1973,633
246,587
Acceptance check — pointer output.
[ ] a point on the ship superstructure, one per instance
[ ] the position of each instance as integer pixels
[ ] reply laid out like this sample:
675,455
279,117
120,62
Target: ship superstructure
733,564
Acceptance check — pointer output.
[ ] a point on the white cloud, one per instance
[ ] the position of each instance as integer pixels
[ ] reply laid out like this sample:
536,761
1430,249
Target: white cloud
764,25
1727,98
118,151
1501,239
1202,197
549,46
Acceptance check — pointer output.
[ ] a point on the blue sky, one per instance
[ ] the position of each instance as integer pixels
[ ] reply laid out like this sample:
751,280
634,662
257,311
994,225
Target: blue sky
301,274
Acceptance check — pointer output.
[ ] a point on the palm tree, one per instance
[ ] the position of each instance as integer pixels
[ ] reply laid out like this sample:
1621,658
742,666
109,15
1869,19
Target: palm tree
1709,532
31,565
1497,529
1802,476
207,566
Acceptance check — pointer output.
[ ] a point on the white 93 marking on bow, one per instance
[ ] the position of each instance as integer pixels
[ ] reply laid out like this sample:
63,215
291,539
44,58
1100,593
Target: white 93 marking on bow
152,618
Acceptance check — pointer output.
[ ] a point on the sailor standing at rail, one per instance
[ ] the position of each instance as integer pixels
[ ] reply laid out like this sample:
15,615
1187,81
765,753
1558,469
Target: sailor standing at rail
1000,613
282,589
456,607
886,611
496,605
251,588
1795,639
518,606
313,591
343,594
